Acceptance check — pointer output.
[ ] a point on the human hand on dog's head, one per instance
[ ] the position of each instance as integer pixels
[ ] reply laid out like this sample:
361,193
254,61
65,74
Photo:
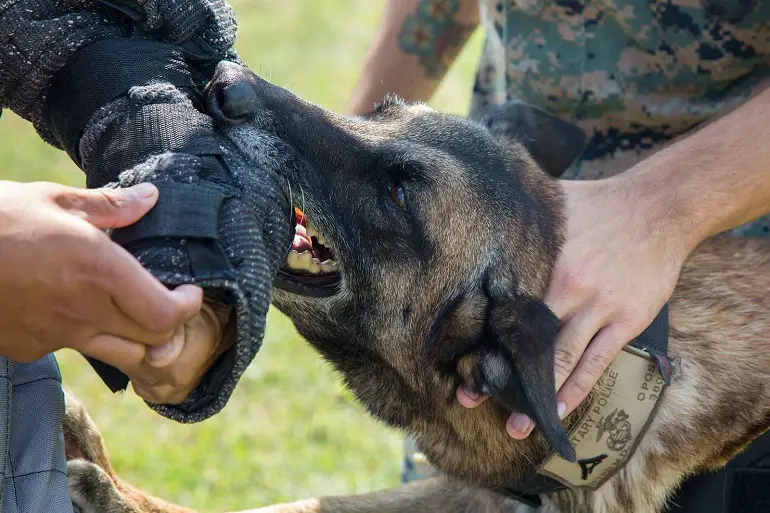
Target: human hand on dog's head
619,264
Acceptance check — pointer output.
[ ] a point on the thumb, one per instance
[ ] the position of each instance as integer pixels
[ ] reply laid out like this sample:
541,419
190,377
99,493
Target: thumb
111,208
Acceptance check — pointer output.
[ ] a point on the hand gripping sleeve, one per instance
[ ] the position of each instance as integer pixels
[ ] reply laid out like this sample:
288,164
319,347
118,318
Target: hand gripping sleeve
221,222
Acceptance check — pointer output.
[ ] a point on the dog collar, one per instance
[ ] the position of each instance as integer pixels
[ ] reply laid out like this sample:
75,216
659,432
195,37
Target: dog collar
606,435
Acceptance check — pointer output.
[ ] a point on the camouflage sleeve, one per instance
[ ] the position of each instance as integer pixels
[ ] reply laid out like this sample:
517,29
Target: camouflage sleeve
37,37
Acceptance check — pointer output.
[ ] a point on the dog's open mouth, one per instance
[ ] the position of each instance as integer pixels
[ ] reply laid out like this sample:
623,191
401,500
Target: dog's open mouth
310,267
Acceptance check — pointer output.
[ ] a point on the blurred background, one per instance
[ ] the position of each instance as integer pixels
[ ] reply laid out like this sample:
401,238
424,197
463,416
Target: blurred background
291,430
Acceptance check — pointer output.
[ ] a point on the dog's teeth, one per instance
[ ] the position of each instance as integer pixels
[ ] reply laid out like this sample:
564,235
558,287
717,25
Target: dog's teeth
320,238
329,266
292,260
299,261
312,231
305,259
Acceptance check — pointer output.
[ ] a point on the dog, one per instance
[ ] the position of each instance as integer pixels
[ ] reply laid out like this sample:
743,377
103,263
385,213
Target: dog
425,244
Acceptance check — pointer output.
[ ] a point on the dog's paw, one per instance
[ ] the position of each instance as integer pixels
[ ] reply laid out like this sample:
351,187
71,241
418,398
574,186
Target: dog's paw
92,490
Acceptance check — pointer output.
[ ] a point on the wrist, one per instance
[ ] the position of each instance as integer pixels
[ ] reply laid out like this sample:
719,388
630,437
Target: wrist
662,209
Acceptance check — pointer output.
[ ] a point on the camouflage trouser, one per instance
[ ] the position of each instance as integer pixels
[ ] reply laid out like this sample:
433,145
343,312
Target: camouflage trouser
416,466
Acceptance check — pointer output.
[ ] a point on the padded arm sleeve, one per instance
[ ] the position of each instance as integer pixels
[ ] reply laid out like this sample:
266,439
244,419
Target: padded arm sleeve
37,37
121,103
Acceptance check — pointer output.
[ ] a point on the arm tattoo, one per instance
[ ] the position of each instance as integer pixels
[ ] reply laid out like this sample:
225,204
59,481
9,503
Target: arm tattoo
433,35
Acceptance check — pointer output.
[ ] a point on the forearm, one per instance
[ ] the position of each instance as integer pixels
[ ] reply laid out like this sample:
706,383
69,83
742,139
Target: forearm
716,179
38,37
415,46
111,118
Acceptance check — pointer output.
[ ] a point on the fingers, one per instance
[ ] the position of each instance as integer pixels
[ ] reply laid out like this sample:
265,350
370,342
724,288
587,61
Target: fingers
121,353
468,399
200,347
161,356
573,338
108,208
134,290
519,426
164,374
582,375
142,298
602,350
575,334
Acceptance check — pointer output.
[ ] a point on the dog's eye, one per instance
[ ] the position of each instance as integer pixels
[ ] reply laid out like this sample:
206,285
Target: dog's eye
398,196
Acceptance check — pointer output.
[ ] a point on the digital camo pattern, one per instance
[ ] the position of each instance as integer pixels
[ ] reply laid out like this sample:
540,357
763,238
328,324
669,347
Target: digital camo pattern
633,74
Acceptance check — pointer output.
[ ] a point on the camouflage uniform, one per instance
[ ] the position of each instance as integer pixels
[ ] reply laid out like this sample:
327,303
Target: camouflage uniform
633,74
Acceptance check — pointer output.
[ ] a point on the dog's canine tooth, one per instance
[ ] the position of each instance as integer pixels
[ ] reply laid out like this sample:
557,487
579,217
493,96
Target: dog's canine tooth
315,266
312,231
320,238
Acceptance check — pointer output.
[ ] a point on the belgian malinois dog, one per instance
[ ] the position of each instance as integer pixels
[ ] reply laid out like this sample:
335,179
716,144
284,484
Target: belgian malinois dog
423,249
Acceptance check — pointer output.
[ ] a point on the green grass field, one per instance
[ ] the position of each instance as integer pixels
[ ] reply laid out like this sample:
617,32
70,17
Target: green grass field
290,430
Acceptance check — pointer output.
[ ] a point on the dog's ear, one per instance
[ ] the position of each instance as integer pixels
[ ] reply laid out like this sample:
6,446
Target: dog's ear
515,365
553,143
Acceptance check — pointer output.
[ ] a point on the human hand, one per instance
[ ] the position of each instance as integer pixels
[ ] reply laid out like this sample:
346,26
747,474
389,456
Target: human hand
621,259
64,283
168,374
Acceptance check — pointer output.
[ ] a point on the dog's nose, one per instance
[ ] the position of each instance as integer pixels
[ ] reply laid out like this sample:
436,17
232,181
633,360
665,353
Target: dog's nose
231,97
238,100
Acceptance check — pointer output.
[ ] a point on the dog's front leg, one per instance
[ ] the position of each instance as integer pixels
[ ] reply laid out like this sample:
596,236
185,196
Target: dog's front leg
94,487
92,490
437,495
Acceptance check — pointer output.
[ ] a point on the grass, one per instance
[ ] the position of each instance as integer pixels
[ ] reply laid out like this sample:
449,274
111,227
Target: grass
290,430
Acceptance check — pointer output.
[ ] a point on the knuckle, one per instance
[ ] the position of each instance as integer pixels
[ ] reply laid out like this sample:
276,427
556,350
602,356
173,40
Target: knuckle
149,394
579,388
571,282
178,397
564,360
166,320
67,198
53,190
98,260
597,362
169,395
112,199
631,317
605,298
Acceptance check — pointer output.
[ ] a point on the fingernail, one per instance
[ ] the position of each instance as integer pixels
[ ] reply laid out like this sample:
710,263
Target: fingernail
144,190
561,409
161,356
520,423
157,353
191,293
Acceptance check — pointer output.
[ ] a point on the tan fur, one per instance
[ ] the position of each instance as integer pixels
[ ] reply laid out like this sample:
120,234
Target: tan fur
94,486
380,329
719,318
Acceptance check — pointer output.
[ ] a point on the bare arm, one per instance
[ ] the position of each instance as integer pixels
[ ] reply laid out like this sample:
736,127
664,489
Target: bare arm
417,43
716,179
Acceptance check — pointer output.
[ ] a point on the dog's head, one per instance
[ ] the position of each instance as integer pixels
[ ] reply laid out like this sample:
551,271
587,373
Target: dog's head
424,244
